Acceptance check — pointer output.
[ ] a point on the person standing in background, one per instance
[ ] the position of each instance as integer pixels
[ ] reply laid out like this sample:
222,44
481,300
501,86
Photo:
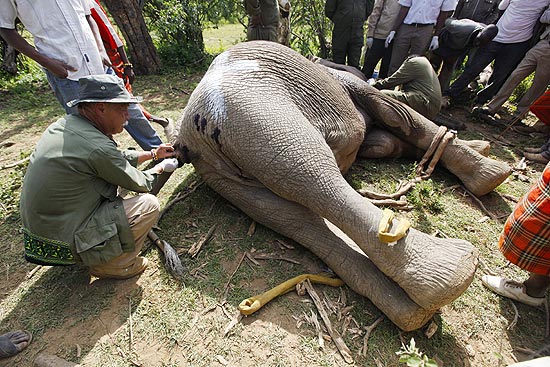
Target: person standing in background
68,46
263,20
348,18
380,23
417,27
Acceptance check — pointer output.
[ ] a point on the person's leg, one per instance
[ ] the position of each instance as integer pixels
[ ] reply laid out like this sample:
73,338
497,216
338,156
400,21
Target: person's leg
541,53
420,40
374,54
536,285
506,60
14,342
446,72
385,65
525,67
355,45
142,212
401,46
482,58
65,90
140,128
340,38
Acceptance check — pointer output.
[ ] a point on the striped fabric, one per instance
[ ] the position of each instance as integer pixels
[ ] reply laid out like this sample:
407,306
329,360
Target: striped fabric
525,240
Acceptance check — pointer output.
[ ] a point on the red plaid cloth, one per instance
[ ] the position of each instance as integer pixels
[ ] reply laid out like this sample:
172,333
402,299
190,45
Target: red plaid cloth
525,240
541,108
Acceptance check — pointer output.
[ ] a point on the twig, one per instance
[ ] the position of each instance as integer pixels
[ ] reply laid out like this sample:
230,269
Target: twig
197,246
236,319
315,322
226,287
180,196
369,329
33,271
510,197
15,164
487,268
275,257
6,144
539,352
483,208
516,316
547,333
342,347
130,331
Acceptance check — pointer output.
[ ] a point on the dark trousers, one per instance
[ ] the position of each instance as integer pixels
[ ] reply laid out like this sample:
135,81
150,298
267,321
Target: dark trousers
347,42
506,57
378,52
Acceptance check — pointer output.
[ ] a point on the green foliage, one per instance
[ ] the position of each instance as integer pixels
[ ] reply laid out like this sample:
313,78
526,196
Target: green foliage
10,191
522,88
176,29
309,27
427,195
412,356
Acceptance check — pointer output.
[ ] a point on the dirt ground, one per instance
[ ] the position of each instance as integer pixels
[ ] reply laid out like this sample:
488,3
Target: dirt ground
153,320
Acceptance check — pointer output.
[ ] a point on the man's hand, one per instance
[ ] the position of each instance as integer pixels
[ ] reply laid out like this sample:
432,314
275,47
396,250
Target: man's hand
167,165
165,151
434,45
58,68
370,41
389,38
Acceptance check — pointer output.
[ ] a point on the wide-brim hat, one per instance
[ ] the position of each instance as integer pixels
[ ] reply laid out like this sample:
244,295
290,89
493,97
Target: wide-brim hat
103,88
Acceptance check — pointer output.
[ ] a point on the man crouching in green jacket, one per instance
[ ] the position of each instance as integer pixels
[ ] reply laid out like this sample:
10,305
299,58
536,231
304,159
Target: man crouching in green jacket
70,207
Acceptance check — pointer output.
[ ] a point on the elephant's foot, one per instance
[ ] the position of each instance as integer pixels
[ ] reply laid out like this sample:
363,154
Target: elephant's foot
380,143
479,174
330,244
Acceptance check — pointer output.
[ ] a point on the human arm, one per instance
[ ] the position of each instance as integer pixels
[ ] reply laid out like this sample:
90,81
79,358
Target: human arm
403,11
98,40
57,67
405,74
128,67
440,23
374,18
163,151
545,17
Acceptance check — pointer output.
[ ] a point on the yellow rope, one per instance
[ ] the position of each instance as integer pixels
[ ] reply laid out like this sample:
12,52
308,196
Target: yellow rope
253,304
385,225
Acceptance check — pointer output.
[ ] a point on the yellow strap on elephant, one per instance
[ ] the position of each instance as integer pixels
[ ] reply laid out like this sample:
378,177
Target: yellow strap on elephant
253,304
385,224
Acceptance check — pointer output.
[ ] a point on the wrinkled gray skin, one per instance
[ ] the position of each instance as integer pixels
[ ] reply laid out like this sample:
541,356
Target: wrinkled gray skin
273,132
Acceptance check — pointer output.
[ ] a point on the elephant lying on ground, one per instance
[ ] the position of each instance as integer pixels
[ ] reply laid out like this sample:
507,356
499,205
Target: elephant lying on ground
273,132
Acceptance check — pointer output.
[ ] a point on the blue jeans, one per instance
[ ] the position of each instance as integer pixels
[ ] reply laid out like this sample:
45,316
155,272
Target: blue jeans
138,126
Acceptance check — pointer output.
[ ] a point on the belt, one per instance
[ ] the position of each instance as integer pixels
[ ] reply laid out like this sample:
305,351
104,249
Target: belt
420,24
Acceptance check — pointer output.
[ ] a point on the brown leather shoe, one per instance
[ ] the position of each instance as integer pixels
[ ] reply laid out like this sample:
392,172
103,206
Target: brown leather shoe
104,271
536,157
532,150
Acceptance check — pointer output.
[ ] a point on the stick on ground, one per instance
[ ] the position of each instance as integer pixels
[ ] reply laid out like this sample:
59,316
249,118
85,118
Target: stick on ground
342,347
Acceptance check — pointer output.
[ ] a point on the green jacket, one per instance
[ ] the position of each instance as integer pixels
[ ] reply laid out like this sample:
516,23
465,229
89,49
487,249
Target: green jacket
419,86
69,204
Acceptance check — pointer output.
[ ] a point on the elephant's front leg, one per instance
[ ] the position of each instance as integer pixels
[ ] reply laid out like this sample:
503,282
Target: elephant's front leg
326,241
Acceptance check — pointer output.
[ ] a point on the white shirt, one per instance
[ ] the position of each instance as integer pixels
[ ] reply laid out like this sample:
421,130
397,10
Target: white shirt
60,31
519,18
426,11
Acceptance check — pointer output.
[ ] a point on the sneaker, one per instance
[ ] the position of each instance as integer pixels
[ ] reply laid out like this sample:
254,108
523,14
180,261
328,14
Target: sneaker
536,157
510,289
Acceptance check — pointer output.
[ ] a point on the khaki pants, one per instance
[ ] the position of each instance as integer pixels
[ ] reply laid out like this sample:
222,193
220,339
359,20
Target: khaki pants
142,212
409,40
536,59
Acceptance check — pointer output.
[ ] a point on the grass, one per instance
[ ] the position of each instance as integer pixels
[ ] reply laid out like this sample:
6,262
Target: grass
88,321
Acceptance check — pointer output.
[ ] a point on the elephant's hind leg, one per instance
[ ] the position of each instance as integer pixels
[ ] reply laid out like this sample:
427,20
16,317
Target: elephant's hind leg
339,252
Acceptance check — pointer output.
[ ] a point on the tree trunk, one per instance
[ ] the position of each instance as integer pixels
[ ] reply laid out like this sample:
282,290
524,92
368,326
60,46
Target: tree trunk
129,18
